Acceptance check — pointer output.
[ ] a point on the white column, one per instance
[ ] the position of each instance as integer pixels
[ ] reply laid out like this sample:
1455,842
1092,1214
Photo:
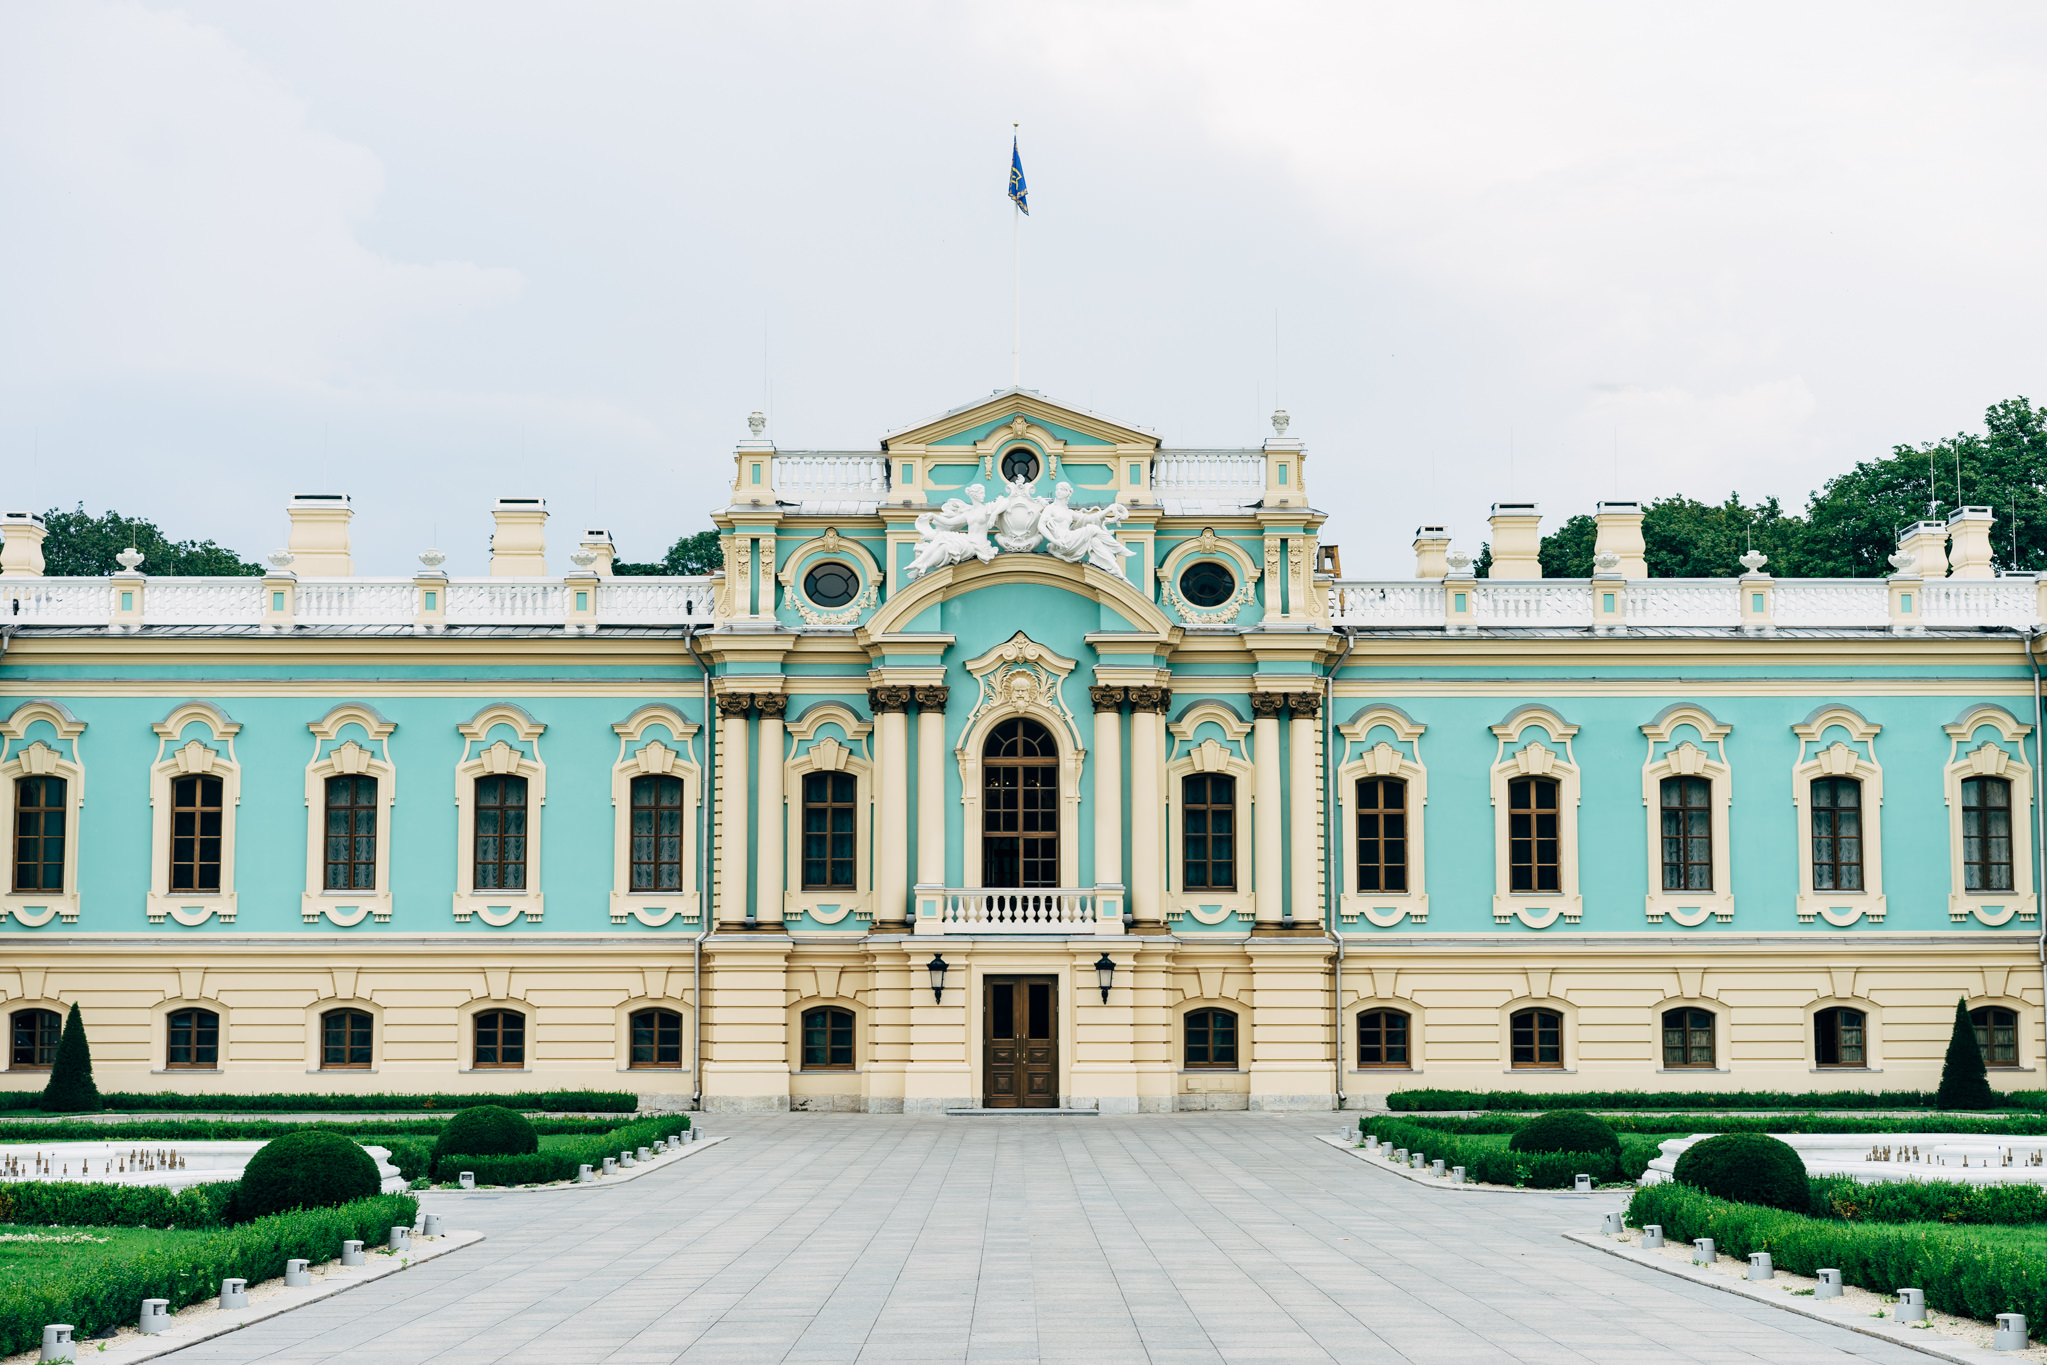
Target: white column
892,851
1147,806
1108,792
1304,774
1265,708
931,785
735,848
768,859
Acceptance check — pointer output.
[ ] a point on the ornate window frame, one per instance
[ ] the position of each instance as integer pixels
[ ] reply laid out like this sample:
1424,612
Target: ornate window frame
1723,1034
635,1001
177,756
1356,1011
830,545
1567,1034
1021,677
1208,545
485,757
1872,1031
1854,757
1522,757
336,757
807,754
1990,758
1403,761
1668,757
21,757
1227,756
640,755
315,1044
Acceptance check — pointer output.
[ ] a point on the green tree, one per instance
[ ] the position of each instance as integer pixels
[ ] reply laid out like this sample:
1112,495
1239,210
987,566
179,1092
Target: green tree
1964,1084
1685,538
689,556
71,1089
1482,567
83,546
1567,551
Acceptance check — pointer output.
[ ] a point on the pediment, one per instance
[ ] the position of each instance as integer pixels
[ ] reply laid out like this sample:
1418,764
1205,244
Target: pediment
968,426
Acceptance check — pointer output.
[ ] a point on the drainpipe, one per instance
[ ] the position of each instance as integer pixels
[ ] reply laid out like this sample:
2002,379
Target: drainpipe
1329,847
696,947
2039,813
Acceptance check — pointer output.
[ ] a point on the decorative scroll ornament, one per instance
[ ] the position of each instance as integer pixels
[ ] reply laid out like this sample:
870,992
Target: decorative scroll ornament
1535,917
1020,522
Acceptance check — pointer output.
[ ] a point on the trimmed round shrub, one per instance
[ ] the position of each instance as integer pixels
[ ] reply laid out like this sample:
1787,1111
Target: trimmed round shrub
1566,1130
1749,1168
314,1169
487,1130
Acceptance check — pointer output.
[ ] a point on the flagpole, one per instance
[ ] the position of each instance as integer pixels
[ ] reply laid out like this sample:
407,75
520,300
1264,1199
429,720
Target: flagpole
1015,297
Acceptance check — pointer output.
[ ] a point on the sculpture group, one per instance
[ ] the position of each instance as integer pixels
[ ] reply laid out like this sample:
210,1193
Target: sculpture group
1019,521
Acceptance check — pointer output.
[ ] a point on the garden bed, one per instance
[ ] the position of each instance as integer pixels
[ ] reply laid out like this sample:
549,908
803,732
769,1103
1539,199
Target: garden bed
1526,1101
535,1101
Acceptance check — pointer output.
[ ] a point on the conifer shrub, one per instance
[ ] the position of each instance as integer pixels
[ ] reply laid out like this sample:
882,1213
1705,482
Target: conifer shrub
487,1130
1566,1130
305,1170
1749,1168
1964,1083
71,1089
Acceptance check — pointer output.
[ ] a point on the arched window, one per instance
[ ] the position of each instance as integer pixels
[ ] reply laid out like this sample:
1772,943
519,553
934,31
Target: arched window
500,862
1536,1039
828,1039
351,834
1836,835
1986,834
1212,1039
1532,844
1838,1036
828,830
1019,462
657,834
500,1040
1208,813
1382,834
1687,834
1997,1034
39,832
33,1034
1382,1038
195,833
1687,1037
657,1039
1020,806
345,1040
193,1038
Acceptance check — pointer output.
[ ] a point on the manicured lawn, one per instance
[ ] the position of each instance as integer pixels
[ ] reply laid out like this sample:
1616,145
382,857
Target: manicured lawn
27,1248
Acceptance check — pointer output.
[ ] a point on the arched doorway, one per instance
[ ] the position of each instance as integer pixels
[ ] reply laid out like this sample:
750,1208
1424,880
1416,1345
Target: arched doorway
1020,806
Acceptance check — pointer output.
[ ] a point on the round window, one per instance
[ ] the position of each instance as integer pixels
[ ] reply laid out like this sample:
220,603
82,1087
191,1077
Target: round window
1207,584
831,584
1019,462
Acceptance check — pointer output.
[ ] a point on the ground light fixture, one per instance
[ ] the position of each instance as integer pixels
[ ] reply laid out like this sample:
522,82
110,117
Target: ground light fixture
1105,974
937,967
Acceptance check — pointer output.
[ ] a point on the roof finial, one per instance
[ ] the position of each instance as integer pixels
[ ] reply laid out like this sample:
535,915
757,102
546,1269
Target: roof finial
1279,421
756,422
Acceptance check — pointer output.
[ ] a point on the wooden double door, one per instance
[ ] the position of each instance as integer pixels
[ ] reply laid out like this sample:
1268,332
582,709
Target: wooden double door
1020,1042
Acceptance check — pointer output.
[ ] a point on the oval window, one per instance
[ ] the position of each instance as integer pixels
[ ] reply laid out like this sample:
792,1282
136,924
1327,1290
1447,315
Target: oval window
1207,584
1019,462
831,584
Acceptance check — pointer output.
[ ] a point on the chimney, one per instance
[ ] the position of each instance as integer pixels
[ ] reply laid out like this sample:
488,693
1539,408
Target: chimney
1517,540
1970,555
319,535
518,547
1431,543
1620,535
22,555
1927,542
599,544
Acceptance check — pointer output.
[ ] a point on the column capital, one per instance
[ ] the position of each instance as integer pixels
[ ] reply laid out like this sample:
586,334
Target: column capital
1305,705
886,700
1106,698
1268,705
933,698
1159,699
734,705
770,704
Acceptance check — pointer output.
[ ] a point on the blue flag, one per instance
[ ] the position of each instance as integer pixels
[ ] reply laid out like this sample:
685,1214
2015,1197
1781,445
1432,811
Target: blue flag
1017,190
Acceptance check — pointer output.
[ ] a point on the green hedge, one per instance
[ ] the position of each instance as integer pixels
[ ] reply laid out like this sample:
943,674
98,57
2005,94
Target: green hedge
84,1204
256,1130
560,1163
1425,1101
1495,1165
1973,1274
553,1101
1668,1125
1928,1201
94,1295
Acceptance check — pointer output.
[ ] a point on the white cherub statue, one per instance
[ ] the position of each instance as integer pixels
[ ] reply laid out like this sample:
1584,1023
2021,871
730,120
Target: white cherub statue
955,533
1083,537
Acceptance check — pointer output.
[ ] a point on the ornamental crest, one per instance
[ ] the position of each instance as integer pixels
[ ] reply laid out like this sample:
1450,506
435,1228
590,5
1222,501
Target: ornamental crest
1022,676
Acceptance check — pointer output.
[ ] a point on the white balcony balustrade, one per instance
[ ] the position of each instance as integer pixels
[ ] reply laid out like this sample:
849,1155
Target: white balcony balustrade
1695,603
831,476
1008,910
649,601
1208,474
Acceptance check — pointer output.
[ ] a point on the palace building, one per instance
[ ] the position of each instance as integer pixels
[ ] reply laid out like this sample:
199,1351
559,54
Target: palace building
1021,759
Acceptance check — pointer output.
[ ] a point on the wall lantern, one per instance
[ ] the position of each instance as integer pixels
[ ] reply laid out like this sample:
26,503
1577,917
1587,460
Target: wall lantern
937,968
1105,974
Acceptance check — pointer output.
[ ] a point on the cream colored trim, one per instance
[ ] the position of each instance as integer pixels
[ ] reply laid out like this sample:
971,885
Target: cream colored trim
622,1037
861,1024
346,908
1689,908
1021,678
1840,759
194,992
480,759
830,545
1990,759
314,1051
639,756
1536,759
8,1006
1208,545
2027,1031
1110,590
1567,1031
1209,756
807,754
193,757
1872,1029
34,909
1365,1003
1384,909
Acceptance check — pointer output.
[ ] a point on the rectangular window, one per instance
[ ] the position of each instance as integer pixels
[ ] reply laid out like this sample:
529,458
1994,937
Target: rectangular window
1986,834
1533,856
1208,832
1382,834
1687,834
196,818
39,832
1836,834
351,834
828,830
1838,1037
657,834
500,854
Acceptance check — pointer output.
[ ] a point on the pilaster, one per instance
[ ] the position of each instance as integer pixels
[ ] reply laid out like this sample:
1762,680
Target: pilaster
931,803
1147,804
1304,799
1290,1044
889,704
1266,843
734,845
769,862
745,1023
1108,790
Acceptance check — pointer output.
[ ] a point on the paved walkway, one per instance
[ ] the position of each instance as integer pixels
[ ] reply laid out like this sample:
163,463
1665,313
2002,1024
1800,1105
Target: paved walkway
1172,1238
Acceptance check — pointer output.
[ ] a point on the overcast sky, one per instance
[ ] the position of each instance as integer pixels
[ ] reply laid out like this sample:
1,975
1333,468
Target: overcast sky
431,254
